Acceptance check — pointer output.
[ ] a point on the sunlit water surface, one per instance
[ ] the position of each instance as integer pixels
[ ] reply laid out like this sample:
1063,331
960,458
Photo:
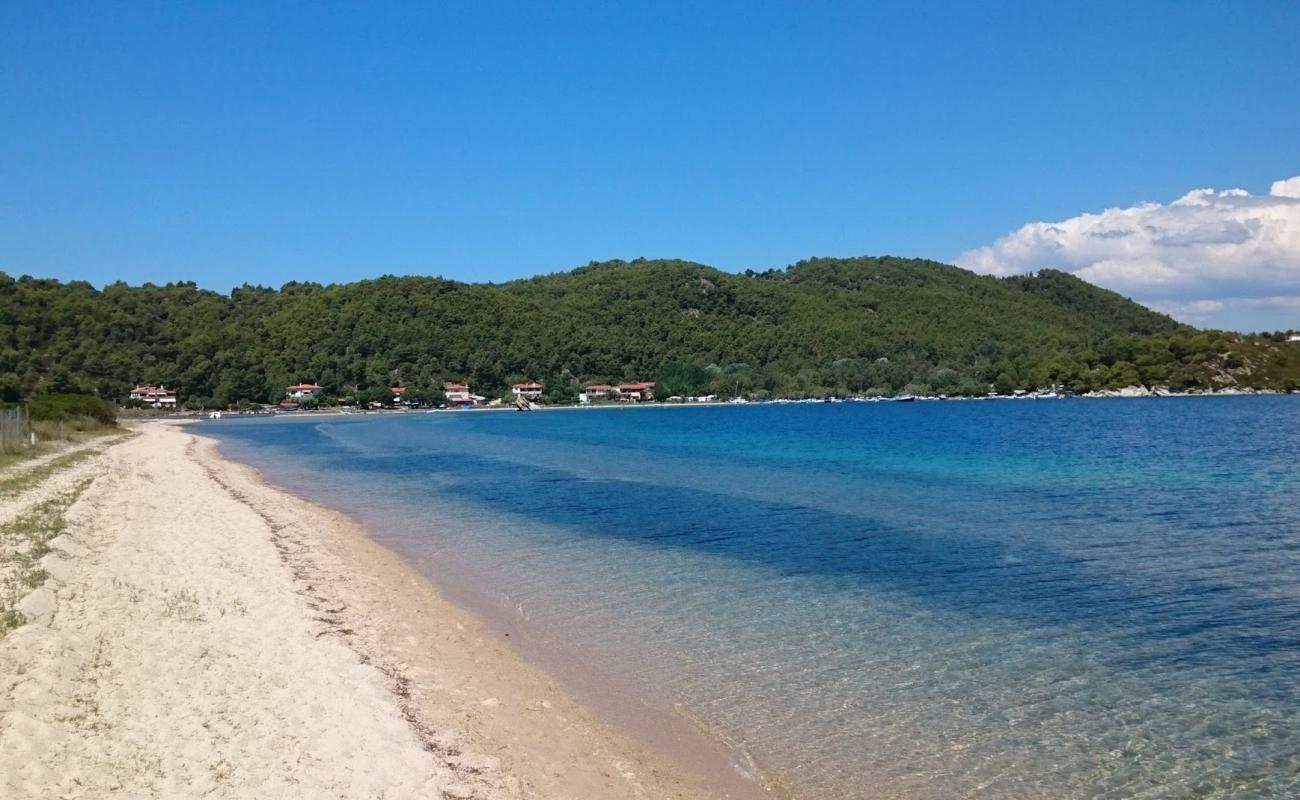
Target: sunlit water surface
992,599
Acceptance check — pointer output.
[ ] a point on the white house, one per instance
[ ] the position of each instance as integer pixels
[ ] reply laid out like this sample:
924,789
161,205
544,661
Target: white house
634,392
456,392
1295,337
531,390
597,391
156,396
301,391
459,394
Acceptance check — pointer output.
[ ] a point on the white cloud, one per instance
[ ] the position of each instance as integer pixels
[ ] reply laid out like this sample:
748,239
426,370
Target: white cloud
1287,188
1208,246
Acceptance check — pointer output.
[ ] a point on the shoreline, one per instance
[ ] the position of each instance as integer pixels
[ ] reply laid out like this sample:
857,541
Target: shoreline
202,632
652,721
682,741
677,748
1128,393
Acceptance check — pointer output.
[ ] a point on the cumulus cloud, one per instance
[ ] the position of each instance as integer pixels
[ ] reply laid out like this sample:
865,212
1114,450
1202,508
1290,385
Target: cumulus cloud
1226,247
1287,188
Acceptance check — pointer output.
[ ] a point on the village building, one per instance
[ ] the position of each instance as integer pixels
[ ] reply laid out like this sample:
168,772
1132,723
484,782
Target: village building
1295,337
529,391
597,391
156,396
459,394
301,391
456,392
635,392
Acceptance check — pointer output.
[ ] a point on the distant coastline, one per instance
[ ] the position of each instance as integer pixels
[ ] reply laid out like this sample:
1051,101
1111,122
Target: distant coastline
1127,393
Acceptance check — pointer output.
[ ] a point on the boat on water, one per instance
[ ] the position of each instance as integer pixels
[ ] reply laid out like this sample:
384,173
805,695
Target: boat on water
905,398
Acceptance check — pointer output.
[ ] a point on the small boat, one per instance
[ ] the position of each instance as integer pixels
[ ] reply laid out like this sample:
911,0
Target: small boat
905,398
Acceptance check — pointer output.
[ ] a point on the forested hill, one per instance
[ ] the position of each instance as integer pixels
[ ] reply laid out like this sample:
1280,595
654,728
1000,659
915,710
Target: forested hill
819,327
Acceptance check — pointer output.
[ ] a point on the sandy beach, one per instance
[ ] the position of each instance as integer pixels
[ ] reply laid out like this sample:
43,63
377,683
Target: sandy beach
182,629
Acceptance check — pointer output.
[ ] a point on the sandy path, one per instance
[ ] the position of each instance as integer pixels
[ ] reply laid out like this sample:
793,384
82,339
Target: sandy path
57,450
21,486
214,637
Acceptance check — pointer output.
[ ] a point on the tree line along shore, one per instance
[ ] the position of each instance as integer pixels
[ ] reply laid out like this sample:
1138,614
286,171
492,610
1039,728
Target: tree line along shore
819,328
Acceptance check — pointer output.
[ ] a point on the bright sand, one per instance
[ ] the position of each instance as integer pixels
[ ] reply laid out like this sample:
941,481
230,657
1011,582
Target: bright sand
203,634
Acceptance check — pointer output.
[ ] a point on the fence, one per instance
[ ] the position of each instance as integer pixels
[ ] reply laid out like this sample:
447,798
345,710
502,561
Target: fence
15,429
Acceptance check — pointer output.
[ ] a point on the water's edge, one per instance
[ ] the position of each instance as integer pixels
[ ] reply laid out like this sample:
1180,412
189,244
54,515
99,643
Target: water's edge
657,724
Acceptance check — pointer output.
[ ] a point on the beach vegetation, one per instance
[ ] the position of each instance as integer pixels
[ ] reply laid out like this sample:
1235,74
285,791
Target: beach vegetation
80,411
24,541
183,604
52,422
13,484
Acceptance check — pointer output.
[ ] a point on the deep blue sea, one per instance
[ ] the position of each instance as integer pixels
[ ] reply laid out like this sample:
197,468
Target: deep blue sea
1048,598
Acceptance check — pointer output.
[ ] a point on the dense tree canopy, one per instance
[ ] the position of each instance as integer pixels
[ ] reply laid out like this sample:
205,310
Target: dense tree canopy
820,326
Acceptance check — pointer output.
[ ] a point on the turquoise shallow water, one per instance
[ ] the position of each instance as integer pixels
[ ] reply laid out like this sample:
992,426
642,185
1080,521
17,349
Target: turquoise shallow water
994,599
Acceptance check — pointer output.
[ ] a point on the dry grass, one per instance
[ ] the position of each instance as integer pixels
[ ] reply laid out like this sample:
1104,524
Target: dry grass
54,436
182,604
23,542
16,484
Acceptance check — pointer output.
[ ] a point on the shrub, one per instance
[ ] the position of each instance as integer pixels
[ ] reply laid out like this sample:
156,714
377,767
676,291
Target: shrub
68,407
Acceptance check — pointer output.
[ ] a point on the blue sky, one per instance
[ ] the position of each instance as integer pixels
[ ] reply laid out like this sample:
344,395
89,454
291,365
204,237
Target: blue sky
266,142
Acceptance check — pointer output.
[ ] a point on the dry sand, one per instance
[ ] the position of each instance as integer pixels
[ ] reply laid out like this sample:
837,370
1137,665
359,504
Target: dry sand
201,634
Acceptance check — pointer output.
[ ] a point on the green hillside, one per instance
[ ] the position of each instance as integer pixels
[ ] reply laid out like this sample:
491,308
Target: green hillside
821,326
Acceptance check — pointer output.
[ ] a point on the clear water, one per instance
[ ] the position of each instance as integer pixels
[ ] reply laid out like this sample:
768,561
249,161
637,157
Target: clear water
996,599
